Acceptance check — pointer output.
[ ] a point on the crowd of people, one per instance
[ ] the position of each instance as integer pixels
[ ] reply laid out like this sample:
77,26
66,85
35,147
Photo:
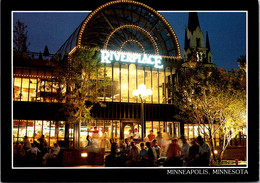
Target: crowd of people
96,141
158,151
153,151
34,154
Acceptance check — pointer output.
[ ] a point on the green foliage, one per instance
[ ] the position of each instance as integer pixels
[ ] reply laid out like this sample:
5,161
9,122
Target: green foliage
83,79
242,62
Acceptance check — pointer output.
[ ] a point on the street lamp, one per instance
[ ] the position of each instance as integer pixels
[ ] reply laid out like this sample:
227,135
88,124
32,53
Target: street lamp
142,93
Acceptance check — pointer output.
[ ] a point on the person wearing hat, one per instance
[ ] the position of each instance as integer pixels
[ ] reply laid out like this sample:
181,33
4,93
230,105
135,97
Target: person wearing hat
184,149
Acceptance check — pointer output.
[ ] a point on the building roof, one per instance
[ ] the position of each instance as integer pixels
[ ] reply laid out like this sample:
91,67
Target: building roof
207,41
193,21
125,25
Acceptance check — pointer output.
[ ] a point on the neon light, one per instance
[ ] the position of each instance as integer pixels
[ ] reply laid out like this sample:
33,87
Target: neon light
110,56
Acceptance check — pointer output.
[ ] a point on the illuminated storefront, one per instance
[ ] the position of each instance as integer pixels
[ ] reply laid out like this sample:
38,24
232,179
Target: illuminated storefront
137,46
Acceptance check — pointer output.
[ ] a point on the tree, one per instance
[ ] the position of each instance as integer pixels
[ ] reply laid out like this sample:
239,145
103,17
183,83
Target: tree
20,37
242,62
83,79
215,100
46,51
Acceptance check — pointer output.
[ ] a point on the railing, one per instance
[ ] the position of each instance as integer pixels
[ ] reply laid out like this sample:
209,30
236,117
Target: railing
33,55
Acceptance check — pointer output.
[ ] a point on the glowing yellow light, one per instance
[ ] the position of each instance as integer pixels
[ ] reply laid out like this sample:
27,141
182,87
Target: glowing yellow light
124,86
215,151
84,155
142,91
129,2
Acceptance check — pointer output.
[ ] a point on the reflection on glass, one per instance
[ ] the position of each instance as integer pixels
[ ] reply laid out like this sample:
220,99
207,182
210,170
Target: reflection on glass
100,127
17,89
156,128
161,87
108,88
168,84
100,79
116,83
124,82
53,133
46,130
126,131
162,126
155,85
203,131
177,129
61,130
38,129
191,132
186,131
25,89
140,77
169,130
148,81
116,130
48,90
22,129
41,89
83,134
132,82
108,128
148,127
108,133
32,90
71,132
30,130
196,131
15,130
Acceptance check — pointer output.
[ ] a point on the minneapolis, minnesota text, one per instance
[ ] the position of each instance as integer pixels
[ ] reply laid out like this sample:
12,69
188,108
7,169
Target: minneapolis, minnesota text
207,171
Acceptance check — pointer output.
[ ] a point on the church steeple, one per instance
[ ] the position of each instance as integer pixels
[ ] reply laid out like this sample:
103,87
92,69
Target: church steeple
193,21
186,41
207,41
195,46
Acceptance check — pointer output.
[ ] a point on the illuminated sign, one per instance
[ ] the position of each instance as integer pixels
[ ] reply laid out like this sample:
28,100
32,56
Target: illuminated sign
109,56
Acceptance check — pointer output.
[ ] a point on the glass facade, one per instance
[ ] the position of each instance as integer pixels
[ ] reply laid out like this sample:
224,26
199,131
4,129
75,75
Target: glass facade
110,129
53,131
35,86
192,131
38,85
125,78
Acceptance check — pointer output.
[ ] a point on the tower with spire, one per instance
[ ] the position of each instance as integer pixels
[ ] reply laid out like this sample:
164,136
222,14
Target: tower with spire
195,47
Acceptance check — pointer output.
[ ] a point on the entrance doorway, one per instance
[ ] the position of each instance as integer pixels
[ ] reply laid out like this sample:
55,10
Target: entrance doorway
127,126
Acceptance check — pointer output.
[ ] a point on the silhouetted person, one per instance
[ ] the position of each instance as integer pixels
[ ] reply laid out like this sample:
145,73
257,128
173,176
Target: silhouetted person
204,152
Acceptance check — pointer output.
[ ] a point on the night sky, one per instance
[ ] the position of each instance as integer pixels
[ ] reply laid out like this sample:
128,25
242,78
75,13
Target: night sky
227,31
